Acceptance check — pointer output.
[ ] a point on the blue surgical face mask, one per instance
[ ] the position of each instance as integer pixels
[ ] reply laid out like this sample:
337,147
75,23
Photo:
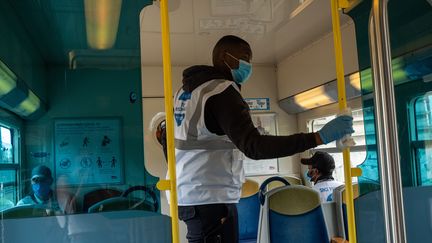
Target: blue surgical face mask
243,72
42,190
307,175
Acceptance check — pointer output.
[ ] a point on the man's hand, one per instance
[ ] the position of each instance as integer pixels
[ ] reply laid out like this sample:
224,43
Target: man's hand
336,129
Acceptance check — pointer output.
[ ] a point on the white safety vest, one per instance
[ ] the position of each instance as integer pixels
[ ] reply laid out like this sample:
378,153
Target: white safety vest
209,167
325,189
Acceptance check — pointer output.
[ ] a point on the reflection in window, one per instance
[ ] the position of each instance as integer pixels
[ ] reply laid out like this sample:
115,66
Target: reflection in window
8,189
8,169
423,118
358,152
6,146
423,138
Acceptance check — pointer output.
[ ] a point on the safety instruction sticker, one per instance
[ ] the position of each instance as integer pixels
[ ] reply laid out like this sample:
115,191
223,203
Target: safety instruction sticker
256,104
88,151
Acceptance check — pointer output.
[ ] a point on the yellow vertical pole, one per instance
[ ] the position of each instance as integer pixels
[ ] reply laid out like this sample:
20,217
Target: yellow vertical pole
342,107
172,183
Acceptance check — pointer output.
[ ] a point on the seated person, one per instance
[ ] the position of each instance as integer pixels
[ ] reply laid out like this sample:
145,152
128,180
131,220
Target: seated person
320,169
43,195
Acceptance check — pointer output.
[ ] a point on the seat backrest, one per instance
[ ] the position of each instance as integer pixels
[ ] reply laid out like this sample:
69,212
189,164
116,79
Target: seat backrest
121,203
248,211
110,204
26,211
291,179
128,202
98,195
249,187
295,215
341,211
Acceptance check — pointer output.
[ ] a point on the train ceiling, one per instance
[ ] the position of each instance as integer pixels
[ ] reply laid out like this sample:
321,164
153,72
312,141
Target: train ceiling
67,30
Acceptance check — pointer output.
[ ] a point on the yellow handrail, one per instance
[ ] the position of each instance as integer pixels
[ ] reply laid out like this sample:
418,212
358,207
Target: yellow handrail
335,5
170,184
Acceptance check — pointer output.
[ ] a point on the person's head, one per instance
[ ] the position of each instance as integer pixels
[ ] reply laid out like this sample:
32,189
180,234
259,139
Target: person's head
41,182
232,56
320,164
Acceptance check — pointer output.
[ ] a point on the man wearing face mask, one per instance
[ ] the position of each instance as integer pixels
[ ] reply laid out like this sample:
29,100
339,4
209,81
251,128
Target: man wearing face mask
213,129
41,182
320,170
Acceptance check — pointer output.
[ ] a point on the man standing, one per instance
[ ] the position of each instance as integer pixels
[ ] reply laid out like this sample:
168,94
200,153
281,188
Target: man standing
320,171
212,125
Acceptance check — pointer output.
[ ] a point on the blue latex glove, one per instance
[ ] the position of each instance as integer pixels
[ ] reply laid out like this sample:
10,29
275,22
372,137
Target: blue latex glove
336,129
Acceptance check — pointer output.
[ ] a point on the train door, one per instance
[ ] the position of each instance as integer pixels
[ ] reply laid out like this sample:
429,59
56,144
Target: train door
396,192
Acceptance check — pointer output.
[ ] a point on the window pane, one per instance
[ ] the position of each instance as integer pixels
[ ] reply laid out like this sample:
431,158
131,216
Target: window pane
7,187
6,151
423,117
423,122
424,156
357,157
317,124
358,125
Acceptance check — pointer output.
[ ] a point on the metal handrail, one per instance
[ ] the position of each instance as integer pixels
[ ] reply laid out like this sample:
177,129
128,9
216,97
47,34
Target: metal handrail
348,171
386,126
170,184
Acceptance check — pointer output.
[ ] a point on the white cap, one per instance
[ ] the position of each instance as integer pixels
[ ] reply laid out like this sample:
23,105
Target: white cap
156,120
154,123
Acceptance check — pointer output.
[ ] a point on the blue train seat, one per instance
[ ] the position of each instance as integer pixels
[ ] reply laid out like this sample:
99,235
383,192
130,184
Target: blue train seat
248,212
292,214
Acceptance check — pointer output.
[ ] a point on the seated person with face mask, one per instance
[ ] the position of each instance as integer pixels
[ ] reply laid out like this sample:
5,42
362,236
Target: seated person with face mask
320,169
43,195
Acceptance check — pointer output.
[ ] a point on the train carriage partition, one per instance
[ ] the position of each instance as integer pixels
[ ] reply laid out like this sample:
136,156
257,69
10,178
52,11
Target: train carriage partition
88,151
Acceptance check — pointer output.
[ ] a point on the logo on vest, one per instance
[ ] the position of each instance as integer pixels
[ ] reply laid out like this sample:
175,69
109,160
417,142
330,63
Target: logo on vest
179,110
179,118
185,96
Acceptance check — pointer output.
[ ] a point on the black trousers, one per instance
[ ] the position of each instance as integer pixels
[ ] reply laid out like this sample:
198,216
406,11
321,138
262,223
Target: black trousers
211,223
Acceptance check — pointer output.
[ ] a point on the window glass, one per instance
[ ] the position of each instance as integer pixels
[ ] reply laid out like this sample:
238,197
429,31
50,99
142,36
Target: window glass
8,172
8,185
358,152
424,156
423,142
6,149
423,117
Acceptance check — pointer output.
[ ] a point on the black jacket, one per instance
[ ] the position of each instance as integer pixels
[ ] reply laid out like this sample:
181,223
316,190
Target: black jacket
228,114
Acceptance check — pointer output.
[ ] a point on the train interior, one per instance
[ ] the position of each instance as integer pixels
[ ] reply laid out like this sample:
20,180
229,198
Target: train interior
81,81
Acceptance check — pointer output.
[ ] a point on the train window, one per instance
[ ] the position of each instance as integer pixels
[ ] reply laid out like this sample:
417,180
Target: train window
423,138
358,152
9,167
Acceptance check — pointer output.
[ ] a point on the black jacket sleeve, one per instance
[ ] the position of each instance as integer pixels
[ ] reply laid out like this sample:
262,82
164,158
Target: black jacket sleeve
227,113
